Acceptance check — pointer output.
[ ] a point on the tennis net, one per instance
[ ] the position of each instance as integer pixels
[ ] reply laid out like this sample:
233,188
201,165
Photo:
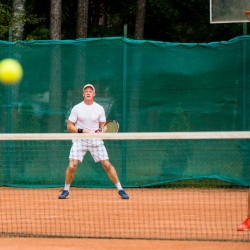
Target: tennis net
183,186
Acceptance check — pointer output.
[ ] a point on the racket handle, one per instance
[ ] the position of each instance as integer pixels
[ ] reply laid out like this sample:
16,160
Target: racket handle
97,131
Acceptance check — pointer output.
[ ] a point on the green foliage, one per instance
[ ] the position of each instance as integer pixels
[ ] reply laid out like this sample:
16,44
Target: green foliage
69,15
101,31
40,33
165,20
28,19
35,22
6,18
186,22
122,12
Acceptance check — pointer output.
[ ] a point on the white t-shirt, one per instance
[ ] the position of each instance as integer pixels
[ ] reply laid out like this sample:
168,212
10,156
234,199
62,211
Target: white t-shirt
88,117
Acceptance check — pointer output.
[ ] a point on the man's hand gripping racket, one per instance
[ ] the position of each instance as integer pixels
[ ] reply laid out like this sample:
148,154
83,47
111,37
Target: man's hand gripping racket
109,127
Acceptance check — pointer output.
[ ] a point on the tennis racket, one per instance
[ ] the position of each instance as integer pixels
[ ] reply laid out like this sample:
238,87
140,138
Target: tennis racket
109,127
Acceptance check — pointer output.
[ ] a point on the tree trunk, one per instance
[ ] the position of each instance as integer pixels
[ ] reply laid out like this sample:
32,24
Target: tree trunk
18,15
82,19
55,92
55,19
140,19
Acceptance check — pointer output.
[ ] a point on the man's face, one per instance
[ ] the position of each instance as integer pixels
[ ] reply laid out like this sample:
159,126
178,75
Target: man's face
88,93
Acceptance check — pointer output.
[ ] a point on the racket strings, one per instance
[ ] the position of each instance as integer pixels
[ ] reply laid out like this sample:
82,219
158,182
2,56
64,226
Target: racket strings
111,127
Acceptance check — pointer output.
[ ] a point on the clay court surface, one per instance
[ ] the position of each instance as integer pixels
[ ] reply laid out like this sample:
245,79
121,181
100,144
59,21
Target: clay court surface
98,218
113,244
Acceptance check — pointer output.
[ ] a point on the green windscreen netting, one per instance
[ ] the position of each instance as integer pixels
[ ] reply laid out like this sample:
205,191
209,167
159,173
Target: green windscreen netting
147,87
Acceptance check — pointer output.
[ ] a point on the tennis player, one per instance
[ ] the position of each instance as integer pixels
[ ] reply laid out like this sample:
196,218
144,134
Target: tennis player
86,117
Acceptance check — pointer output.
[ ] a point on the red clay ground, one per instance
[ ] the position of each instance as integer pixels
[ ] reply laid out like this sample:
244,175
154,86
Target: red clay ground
179,214
100,244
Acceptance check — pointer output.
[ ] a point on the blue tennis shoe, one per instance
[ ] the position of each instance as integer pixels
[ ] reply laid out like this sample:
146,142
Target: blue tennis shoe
123,194
64,195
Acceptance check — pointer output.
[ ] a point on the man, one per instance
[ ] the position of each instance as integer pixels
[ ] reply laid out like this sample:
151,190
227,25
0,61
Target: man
86,117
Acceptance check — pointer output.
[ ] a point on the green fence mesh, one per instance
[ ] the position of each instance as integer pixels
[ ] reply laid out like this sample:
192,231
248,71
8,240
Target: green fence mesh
147,87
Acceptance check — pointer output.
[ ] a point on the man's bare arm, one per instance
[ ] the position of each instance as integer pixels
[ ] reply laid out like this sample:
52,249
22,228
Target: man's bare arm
73,129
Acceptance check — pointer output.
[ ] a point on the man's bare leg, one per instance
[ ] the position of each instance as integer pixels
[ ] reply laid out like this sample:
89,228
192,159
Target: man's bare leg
112,174
69,177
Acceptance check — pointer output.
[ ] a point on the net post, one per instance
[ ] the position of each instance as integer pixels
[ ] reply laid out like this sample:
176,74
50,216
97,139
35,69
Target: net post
10,34
244,29
125,31
245,24
124,109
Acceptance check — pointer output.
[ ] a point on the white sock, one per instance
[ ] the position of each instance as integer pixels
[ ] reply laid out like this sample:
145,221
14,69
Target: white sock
118,185
66,187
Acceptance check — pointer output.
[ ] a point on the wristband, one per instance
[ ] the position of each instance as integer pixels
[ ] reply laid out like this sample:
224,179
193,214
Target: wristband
80,130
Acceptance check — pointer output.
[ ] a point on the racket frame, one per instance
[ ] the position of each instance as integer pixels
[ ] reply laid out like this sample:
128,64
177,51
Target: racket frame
100,129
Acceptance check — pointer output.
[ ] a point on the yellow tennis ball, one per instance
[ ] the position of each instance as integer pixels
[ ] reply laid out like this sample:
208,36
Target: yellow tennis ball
11,71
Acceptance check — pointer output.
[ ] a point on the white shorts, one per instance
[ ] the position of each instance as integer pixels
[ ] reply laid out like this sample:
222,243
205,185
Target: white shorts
81,147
